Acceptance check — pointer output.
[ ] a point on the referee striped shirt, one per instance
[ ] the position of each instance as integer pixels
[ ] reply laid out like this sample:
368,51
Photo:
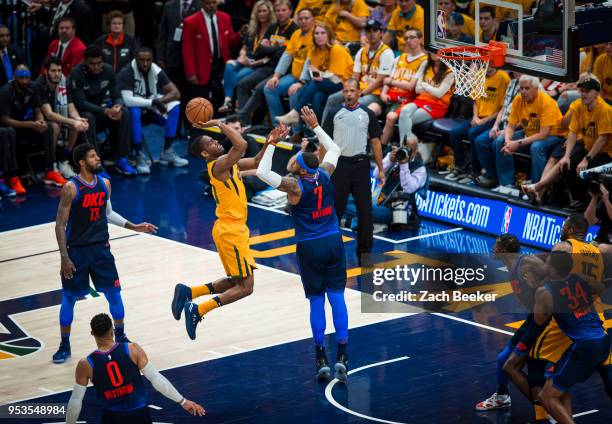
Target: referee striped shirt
352,128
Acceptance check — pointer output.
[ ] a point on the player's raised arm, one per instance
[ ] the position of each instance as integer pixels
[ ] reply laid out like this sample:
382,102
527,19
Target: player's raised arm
332,150
63,213
275,135
236,152
83,374
264,172
161,383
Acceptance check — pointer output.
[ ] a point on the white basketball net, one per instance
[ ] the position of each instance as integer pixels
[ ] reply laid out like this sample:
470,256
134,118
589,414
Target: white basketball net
470,73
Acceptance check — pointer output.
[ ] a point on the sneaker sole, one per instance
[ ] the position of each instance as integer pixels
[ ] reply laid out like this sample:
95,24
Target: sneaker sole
340,373
187,318
56,361
324,373
176,310
127,174
53,183
168,163
493,408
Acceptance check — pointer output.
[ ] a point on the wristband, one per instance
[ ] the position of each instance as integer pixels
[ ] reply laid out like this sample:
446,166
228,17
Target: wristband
182,402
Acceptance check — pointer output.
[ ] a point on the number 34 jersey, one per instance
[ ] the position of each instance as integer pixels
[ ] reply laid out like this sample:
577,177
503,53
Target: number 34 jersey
314,215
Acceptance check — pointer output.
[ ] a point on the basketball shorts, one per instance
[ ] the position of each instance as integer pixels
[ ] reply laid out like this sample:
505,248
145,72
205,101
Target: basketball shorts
551,344
232,242
536,372
578,362
322,264
518,334
136,416
95,261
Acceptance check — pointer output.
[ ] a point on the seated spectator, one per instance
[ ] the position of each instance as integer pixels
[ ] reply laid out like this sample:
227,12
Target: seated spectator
149,94
484,115
282,83
382,13
599,211
399,88
20,110
97,96
602,68
434,91
262,18
488,24
485,143
454,26
539,118
69,48
59,110
249,90
8,160
11,56
328,65
449,6
589,144
118,48
106,8
318,7
347,18
408,14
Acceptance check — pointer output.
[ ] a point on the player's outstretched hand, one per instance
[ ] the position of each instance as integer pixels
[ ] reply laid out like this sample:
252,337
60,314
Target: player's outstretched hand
278,133
309,117
145,227
193,408
212,123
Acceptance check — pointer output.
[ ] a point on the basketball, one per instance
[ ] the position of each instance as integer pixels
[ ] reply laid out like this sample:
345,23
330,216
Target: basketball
199,110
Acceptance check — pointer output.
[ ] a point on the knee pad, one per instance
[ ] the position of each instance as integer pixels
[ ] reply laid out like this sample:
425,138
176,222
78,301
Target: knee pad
67,310
115,304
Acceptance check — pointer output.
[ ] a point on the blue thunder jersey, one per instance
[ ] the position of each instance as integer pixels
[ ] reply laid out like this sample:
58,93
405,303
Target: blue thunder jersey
314,215
87,223
117,379
523,291
573,308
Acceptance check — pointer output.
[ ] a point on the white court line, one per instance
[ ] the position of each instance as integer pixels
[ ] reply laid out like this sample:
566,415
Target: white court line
476,324
43,389
239,349
217,354
592,411
422,236
331,384
157,408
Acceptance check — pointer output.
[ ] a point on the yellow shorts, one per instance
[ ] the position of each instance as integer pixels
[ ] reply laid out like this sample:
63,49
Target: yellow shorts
551,344
232,242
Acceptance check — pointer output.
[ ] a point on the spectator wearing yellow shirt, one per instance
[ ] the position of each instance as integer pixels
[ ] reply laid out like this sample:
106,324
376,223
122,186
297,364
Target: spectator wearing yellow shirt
603,71
372,64
399,88
488,24
539,118
319,7
589,144
407,15
485,112
328,65
347,18
449,7
294,56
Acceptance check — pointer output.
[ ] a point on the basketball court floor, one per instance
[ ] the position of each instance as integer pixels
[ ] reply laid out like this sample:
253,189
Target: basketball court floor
253,361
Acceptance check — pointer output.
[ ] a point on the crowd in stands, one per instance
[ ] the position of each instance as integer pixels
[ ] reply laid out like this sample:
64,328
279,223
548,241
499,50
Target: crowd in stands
108,71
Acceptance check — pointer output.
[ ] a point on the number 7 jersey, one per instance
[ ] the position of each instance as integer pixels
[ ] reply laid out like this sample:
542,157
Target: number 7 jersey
314,215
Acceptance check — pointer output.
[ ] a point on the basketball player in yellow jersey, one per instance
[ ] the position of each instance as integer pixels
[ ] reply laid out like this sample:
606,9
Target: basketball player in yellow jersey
230,232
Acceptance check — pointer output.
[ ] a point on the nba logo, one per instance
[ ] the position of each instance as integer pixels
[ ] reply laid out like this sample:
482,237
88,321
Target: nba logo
506,222
441,24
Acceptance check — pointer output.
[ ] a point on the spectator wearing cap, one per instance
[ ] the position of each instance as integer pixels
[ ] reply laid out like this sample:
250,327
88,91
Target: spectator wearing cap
589,144
399,87
454,29
408,14
118,47
373,64
68,47
10,56
347,18
539,118
602,68
328,65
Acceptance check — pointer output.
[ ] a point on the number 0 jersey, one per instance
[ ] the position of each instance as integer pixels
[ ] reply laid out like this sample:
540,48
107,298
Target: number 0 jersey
87,223
314,215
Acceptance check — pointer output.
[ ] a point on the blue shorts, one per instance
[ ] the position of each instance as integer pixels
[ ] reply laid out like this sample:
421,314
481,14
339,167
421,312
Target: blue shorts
322,264
95,261
578,362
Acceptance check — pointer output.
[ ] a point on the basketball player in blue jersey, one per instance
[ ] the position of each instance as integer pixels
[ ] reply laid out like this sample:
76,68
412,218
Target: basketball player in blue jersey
568,297
81,228
114,369
320,250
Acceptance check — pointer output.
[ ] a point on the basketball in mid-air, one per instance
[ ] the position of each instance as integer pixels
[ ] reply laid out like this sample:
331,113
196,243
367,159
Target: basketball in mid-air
199,110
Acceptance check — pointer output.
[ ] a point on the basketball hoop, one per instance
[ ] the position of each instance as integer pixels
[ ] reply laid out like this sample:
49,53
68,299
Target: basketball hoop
470,64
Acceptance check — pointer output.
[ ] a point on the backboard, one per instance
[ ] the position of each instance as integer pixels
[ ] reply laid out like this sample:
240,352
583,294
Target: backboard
541,35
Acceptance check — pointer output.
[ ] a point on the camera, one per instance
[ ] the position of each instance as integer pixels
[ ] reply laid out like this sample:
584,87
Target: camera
594,179
403,153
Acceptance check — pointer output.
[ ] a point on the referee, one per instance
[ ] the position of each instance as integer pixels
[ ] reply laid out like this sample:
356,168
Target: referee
352,125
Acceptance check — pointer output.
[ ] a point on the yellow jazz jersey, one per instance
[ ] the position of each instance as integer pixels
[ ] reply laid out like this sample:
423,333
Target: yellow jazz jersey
587,260
230,232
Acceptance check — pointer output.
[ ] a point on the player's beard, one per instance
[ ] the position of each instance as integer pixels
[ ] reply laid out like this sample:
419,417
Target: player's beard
96,169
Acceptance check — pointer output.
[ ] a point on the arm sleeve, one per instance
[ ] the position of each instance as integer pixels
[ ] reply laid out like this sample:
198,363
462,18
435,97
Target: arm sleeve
284,63
264,170
133,101
161,383
332,150
113,217
412,181
444,86
75,403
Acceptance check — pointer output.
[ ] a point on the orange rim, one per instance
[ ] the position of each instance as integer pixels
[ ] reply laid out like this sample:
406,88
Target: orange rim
456,53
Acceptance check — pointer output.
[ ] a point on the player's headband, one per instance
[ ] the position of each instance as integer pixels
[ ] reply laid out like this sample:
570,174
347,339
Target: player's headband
300,159
23,73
